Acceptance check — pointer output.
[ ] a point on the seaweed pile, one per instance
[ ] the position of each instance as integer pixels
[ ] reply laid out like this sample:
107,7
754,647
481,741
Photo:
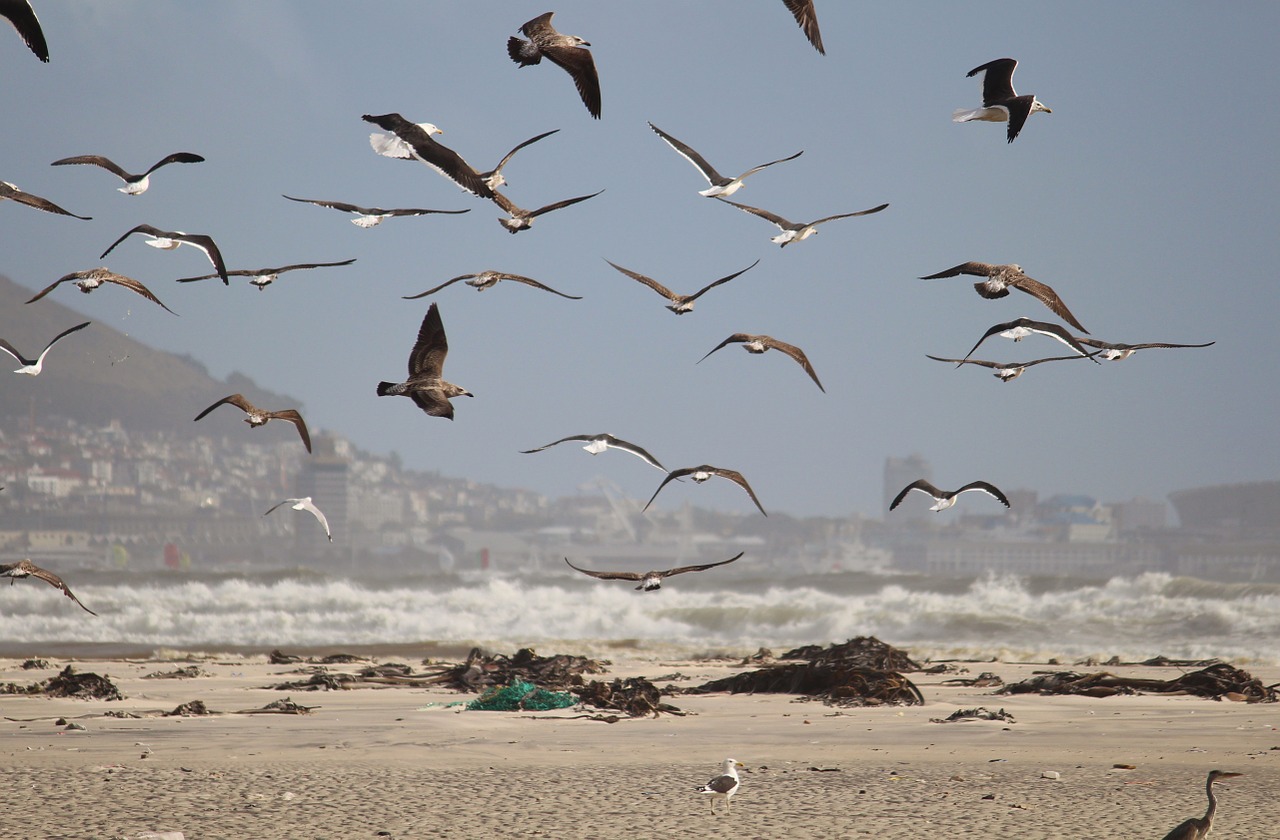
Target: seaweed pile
865,652
68,683
1216,682
480,671
635,696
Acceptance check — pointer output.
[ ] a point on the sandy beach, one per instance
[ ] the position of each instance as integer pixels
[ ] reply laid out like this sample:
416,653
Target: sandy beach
410,763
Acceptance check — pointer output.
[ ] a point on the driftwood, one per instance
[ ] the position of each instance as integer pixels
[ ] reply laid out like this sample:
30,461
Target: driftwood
833,684
68,683
1215,682
864,652
635,695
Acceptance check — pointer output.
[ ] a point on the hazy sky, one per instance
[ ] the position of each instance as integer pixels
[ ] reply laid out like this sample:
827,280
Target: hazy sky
1148,199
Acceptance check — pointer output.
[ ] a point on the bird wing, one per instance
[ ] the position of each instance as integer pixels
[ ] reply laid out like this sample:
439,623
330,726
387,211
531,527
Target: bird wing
847,215
23,18
578,63
509,155
309,507
528,281
803,12
919,484
433,402
709,286
753,170
722,784
997,83
210,248
147,229
687,152
797,354
95,160
7,191
977,269
539,27
756,211
606,575
237,400
735,338
427,356
296,266
1160,344
449,282
75,275
176,157
13,351
702,568
295,418
959,362
554,442
55,581
671,476
59,337
419,211
627,446
1019,108
338,205
439,157
135,286
737,478
985,487
1048,297
565,203
650,282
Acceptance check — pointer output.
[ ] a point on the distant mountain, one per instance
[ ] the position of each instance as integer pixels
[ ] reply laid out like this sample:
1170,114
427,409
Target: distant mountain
98,375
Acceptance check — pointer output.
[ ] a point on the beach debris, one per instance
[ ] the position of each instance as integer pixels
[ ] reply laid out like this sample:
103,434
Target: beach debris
160,835
636,696
278,657
387,669
192,708
320,681
865,652
279,707
1216,682
763,656
189,672
520,696
984,680
68,683
72,726
481,671
1052,775
833,684
35,664
979,713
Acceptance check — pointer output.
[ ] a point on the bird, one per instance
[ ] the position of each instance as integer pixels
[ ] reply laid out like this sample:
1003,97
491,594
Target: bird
680,304
32,367
169,239
92,278
1000,103
255,416
1020,328
417,136
1198,828
944,499
565,51
426,365
24,20
488,279
761,343
1008,371
649,581
599,443
11,191
796,231
133,184
263,277
720,185
805,15
25,568
305,504
1119,352
367,217
701,474
388,145
1001,277
522,219
724,785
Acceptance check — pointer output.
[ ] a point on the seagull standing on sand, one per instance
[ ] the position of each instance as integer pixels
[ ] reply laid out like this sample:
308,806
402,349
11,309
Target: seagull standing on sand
761,343
944,499
1001,277
417,136
11,191
599,443
25,568
425,386
32,367
565,51
1000,103
255,416
263,277
1008,371
167,240
1119,352
133,184
519,219
723,786
796,231
649,581
701,474
720,185
23,18
92,278
305,504
487,280
680,304
1020,328
803,12
367,217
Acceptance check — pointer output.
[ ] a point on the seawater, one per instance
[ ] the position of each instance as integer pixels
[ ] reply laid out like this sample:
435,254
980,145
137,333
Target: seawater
1000,616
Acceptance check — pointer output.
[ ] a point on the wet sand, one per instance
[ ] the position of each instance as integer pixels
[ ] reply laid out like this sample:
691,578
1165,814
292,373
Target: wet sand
404,763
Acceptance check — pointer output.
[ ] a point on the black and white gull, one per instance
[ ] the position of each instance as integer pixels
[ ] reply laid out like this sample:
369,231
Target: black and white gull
367,217
32,367
24,20
263,277
1116,352
651,580
133,184
720,185
796,231
599,443
167,240
1020,328
1008,371
439,157
702,473
1000,103
943,499
389,145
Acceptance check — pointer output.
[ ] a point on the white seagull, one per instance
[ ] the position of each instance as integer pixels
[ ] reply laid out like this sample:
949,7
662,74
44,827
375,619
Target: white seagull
1000,103
389,145
12,192
761,343
796,231
565,51
133,184
599,443
720,185
367,217
92,278
1020,328
32,367
1001,277
723,786
305,504
263,277
417,137
650,581
680,304
1008,371
701,474
944,499
167,240
487,280
24,20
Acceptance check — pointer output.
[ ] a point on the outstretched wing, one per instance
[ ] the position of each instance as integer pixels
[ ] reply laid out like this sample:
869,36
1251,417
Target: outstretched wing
606,575
702,568
919,484
803,12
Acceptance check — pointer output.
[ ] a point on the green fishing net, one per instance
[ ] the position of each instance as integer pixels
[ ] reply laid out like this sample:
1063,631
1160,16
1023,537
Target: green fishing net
521,696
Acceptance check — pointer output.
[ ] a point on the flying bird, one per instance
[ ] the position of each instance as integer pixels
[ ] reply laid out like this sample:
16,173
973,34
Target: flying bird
944,499
367,217
1020,328
701,474
761,343
1000,103
92,278
1001,277
803,12
1008,371
133,184
305,504
487,280
1198,828
565,51
32,367
680,304
523,219
796,231
723,786
23,18
599,443
649,581
263,277
1119,352
389,145
720,185
425,386
417,136
255,416
11,191
25,568
167,240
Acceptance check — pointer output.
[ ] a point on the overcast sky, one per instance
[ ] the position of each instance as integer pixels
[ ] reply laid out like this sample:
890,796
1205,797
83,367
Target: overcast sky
1148,199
